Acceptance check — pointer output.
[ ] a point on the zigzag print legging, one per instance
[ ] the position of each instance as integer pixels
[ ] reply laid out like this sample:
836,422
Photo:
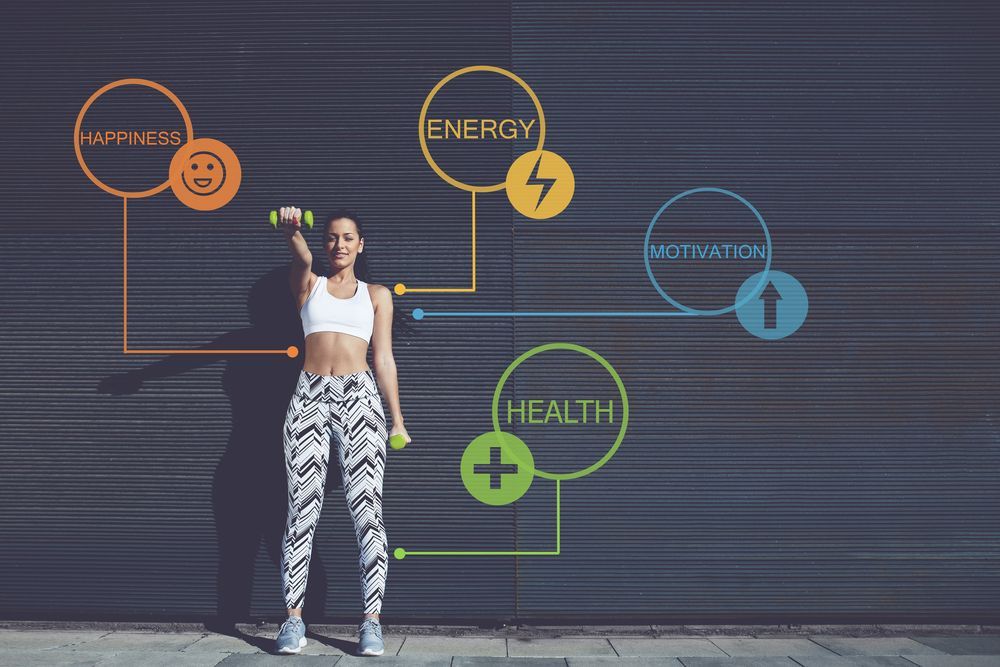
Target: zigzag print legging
348,410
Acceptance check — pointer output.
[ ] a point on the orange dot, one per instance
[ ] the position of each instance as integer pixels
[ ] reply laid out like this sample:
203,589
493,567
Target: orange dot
292,351
399,289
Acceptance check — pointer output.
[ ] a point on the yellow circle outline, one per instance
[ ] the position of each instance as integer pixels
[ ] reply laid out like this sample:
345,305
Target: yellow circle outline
434,91
79,122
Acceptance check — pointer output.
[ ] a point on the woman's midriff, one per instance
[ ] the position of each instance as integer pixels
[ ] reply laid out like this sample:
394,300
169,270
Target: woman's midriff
335,353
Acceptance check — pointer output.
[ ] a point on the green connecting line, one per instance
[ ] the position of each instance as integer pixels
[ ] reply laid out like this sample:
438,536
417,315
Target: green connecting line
402,553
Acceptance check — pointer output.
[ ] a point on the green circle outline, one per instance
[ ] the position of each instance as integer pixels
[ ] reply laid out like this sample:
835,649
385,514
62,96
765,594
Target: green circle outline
596,357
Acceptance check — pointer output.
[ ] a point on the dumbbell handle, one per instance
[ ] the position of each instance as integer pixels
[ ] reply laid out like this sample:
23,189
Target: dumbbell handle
307,217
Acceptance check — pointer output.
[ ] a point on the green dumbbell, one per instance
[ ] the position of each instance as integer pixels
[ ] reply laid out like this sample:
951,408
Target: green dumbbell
307,217
397,441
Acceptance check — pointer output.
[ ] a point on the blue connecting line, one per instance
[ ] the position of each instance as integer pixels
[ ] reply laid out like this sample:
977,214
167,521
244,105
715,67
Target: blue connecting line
420,313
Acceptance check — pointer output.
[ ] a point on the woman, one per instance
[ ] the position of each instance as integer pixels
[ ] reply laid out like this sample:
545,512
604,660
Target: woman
336,398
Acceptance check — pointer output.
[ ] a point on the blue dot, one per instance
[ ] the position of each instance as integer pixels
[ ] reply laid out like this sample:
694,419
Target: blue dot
418,313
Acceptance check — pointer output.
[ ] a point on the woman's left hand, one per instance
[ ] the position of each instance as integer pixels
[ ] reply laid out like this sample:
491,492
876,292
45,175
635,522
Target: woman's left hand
399,429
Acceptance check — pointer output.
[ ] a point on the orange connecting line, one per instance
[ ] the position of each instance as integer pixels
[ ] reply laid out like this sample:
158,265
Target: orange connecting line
291,351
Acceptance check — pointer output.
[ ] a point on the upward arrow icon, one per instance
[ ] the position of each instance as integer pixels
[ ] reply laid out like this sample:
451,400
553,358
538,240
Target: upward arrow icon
770,296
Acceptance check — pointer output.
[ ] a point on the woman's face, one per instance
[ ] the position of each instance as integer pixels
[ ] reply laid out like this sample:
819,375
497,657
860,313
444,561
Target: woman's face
343,244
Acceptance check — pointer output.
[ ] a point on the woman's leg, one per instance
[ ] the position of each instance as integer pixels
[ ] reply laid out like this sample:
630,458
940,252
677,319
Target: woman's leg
361,434
307,453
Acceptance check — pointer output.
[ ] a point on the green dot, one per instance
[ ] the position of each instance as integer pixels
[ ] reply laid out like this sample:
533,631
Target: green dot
399,553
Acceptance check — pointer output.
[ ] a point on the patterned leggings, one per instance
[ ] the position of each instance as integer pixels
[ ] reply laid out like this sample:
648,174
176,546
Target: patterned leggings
348,409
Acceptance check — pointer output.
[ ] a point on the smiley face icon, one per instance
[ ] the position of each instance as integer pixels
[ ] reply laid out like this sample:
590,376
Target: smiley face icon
205,174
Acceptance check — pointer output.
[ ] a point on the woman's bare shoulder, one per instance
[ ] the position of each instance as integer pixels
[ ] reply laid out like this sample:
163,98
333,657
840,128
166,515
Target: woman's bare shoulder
378,293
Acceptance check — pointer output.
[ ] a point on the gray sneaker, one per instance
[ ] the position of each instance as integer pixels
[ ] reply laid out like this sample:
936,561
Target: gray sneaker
370,642
291,636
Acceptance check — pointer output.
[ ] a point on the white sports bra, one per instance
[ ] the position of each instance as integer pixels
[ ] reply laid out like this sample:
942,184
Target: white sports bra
324,312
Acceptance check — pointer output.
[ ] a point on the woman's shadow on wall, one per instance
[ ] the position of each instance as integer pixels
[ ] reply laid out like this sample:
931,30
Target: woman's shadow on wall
249,489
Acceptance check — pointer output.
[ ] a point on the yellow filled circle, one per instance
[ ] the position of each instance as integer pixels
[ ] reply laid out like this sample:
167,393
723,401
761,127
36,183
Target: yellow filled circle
540,184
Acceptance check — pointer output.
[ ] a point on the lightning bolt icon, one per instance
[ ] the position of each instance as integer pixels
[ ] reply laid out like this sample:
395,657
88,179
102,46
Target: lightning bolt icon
546,183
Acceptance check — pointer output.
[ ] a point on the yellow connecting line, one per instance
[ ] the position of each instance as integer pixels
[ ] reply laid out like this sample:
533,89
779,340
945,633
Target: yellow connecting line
401,288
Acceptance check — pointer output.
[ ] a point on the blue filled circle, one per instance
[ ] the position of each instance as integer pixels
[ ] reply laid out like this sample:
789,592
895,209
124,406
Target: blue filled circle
763,274
418,313
790,306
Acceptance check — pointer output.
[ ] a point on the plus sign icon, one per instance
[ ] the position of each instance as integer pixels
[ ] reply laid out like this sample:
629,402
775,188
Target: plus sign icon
497,468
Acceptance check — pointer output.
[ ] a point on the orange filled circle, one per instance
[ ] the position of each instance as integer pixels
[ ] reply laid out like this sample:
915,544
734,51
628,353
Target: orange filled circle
205,174
79,123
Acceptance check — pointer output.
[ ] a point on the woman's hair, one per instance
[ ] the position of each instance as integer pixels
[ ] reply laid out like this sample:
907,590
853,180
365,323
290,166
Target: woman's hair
401,326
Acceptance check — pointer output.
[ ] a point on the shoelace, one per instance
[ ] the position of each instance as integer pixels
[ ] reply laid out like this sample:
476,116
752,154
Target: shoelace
282,628
374,625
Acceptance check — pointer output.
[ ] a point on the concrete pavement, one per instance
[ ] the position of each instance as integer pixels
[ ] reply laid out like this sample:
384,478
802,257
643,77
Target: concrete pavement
28,644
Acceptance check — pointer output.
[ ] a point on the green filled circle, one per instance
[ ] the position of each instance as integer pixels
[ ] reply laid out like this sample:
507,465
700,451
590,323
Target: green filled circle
512,484
596,357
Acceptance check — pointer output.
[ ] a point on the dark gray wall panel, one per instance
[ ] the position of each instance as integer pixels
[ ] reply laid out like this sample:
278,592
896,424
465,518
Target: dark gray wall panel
848,472
168,500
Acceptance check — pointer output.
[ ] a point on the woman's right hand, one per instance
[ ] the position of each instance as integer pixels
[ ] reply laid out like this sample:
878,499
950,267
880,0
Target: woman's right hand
289,219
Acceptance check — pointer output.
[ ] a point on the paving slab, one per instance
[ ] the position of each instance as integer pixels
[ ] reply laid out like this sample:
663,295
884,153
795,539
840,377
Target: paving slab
19,657
46,639
160,659
751,661
955,660
596,646
853,661
217,643
451,646
873,645
981,645
264,660
575,661
462,661
348,644
760,646
67,657
412,661
632,646
140,641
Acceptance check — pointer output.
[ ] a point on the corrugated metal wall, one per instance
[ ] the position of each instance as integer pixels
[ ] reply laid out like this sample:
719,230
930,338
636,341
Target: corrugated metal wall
848,472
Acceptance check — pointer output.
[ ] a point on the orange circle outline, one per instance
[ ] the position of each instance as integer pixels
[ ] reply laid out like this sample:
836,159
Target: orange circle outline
79,122
434,91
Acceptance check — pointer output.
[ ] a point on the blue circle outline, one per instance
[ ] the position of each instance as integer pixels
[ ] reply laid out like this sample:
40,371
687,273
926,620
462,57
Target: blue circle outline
767,264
